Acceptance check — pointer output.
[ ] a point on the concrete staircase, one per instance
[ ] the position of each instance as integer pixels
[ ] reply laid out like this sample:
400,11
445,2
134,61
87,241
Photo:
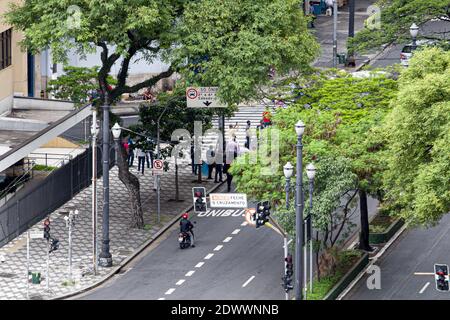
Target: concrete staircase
254,114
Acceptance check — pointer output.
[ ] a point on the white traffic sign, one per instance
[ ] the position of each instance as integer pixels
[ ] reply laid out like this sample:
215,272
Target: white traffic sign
36,234
158,167
203,97
228,200
249,216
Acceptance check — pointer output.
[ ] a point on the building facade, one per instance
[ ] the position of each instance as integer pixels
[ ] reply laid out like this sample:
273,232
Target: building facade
19,71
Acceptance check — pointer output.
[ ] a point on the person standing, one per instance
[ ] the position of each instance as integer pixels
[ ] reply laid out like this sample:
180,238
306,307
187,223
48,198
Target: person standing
232,151
149,153
267,118
141,159
211,161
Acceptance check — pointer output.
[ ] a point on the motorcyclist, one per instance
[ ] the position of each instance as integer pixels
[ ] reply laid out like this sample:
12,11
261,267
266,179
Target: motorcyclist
187,226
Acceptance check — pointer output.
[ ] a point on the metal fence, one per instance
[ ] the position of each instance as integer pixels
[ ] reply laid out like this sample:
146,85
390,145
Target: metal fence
23,211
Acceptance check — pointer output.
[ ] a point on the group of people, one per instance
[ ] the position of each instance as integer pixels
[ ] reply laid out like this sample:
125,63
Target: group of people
138,152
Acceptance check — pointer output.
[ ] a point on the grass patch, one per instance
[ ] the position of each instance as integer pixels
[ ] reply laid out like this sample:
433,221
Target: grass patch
380,223
346,260
68,283
40,167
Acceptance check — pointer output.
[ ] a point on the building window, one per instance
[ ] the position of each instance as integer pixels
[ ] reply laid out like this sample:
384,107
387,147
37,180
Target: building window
5,49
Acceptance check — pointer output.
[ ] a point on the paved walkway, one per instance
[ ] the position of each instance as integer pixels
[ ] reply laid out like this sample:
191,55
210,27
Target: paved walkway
124,240
324,33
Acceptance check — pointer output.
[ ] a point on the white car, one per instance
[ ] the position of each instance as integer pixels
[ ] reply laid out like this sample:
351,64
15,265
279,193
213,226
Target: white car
407,51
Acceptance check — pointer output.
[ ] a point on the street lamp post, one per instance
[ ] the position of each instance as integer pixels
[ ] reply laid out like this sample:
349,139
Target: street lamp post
299,258
105,258
288,170
414,31
94,133
311,173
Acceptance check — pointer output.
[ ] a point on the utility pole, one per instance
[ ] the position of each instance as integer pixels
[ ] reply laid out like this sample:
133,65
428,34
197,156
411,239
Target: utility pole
335,21
351,31
94,132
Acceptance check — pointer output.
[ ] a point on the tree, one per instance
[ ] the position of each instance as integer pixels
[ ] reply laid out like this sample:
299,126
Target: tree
76,83
210,42
417,179
396,18
342,115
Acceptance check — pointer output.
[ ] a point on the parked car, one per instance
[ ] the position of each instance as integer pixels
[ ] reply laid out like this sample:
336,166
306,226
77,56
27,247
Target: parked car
408,49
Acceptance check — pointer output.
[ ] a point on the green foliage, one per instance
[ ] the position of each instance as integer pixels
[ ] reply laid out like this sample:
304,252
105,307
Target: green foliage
342,116
417,179
396,18
40,167
232,44
76,83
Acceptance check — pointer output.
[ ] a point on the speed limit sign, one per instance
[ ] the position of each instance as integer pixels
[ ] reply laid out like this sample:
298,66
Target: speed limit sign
158,167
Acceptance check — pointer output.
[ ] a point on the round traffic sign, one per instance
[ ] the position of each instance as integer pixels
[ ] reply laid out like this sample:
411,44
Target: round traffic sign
158,164
192,93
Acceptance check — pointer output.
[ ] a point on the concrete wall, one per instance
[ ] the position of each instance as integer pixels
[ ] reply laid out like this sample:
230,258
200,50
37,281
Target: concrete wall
21,124
42,104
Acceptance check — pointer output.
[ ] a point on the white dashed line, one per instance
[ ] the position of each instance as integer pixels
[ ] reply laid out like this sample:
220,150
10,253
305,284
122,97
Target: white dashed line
190,273
199,265
248,281
236,231
228,239
180,282
424,288
209,256
162,299
170,291
244,224
218,248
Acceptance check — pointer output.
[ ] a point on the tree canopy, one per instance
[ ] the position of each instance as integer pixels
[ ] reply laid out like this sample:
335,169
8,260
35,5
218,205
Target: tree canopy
417,179
396,18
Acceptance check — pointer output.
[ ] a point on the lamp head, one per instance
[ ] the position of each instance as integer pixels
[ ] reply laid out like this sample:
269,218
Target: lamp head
116,131
300,128
288,170
310,171
414,30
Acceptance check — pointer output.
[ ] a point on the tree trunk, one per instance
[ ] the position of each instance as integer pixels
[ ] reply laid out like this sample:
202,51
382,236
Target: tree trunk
131,182
364,234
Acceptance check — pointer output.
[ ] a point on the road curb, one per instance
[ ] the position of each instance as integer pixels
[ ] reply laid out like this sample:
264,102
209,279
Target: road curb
372,261
138,251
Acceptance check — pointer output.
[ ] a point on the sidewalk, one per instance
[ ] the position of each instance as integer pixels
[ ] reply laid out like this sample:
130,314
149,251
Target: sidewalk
124,241
324,33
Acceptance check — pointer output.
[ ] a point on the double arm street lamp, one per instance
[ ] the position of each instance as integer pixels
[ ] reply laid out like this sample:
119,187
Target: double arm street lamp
299,258
414,31
94,133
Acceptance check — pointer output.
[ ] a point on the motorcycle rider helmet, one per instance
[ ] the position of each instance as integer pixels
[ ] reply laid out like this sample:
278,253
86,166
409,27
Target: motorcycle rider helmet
185,215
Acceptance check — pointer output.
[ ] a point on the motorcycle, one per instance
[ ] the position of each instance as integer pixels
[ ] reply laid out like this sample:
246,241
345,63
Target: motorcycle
184,239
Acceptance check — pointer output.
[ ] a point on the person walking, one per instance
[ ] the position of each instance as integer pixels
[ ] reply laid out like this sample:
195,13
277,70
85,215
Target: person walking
211,161
131,148
248,134
267,118
232,151
141,159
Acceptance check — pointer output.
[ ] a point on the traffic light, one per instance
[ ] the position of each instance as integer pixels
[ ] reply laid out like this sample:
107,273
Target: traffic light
199,195
54,245
441,277
287,279
262,213
47,229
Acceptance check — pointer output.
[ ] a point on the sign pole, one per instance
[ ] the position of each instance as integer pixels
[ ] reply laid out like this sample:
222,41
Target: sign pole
47,277
28,265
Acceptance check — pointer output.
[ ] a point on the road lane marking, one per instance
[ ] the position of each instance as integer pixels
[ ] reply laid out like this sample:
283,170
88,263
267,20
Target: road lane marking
424,288
236,231
199,265
209,256
228,239
190,273
170,291
180,282
162,299
423,273
218,248
244,224
248,281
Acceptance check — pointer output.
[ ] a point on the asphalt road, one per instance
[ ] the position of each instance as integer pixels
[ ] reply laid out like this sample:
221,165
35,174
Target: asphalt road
416,251
230,261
